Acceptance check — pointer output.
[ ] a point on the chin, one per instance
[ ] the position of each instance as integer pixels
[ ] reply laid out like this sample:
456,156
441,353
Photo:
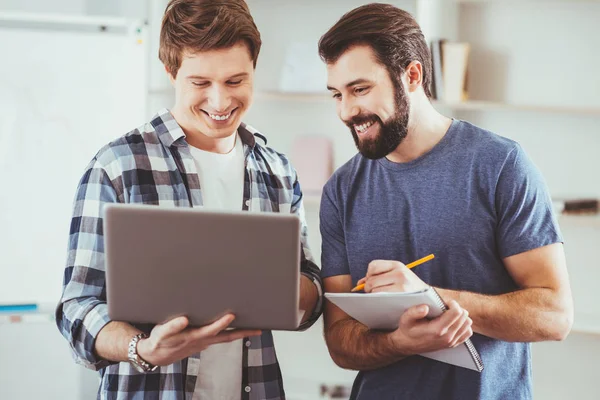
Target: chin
222,132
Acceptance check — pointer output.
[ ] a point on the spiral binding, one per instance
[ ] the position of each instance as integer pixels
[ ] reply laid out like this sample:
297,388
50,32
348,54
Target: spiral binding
472,350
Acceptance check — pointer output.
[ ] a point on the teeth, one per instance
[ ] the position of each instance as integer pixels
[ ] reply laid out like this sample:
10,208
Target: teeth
219,117
363,127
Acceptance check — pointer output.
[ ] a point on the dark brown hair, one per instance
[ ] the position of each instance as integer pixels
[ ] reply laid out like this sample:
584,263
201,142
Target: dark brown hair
202,25
392,33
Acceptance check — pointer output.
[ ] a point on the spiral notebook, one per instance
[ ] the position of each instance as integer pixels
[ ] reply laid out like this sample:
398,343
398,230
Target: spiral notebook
383,311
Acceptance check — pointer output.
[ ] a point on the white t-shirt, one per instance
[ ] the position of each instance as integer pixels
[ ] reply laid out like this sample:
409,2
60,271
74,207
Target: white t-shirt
221,177
222,185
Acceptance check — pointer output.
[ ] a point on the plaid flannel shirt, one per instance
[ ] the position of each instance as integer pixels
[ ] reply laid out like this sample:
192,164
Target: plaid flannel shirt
153,165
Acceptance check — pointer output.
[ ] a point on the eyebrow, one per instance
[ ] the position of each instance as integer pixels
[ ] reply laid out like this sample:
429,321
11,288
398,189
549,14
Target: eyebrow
240,75
352,83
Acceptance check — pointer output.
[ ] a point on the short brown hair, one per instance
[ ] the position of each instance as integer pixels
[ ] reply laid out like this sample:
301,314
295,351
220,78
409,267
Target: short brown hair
202,25
392,33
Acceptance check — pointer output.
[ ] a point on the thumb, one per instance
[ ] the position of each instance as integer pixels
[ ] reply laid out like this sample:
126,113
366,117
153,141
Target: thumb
415,313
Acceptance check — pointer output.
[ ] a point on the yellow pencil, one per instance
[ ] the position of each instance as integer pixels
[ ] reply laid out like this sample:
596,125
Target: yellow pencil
409,266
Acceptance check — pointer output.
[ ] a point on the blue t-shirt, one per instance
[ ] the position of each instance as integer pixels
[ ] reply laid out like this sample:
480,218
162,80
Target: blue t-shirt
472,200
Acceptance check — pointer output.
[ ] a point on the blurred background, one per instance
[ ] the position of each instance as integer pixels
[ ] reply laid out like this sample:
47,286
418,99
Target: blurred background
76,74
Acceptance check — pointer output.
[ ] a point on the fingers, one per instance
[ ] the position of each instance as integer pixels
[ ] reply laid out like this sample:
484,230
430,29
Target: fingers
377,267
383,275
212,329
458,324
379,283
448,318
414,314
171,327
454,326
235,334
465,332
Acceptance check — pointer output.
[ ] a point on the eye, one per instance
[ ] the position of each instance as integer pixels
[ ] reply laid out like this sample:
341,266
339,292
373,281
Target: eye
200,84
337,96
233,83
361,90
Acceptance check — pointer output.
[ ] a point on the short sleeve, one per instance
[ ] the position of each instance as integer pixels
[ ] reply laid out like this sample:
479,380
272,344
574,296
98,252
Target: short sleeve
334,258
524,208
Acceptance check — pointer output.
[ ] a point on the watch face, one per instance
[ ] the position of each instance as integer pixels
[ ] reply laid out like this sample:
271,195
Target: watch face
136,366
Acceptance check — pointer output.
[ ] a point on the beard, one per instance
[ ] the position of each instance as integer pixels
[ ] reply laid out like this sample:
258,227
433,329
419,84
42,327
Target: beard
391,133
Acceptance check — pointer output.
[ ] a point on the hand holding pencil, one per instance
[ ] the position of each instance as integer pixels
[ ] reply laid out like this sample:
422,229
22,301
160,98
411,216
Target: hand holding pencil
392,276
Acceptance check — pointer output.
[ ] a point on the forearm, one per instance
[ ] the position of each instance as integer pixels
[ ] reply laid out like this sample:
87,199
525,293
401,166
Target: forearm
113,340
354,346
80,320
308,297
526,315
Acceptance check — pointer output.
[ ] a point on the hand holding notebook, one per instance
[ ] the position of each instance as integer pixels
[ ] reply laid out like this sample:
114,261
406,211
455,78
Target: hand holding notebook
383,311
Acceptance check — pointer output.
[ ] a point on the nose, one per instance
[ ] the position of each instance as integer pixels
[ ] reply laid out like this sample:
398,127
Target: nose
347,110
219,99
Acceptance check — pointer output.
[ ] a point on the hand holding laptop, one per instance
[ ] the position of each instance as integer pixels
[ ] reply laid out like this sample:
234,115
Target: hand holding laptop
183,258
174,340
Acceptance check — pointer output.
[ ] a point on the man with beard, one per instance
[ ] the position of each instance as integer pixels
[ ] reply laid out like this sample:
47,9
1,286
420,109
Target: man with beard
424,183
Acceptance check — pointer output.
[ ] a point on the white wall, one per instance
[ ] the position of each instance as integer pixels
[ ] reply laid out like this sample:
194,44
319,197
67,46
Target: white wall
525,53
69,7
35,361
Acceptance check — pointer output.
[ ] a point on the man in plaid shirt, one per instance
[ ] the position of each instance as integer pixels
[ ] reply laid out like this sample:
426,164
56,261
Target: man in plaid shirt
197,154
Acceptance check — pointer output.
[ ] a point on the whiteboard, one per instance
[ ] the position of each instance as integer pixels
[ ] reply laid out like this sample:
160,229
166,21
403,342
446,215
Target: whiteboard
67,87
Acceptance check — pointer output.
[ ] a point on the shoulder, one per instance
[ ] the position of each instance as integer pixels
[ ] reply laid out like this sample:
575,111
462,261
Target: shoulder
480,141
268,159
346,175
125,151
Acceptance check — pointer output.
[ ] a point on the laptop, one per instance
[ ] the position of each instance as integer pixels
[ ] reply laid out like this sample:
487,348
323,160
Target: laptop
166,262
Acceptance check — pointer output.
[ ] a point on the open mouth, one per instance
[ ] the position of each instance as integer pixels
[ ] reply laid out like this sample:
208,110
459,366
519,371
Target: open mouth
220,118
364,128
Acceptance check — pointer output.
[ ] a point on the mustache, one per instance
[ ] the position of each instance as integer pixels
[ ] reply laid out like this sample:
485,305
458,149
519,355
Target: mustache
361,119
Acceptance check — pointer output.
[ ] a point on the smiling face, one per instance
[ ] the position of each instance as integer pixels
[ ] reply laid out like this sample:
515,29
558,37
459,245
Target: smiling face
369,102
213,91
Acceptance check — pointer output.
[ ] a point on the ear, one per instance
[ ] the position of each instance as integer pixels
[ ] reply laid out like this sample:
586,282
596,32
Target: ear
414,76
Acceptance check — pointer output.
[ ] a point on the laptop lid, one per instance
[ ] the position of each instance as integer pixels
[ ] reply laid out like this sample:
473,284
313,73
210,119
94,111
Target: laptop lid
166,262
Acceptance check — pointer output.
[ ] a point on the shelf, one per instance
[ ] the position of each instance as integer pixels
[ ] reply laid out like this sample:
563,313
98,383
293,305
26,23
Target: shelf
481,105
9,318
43,313
584,323
590,219
293,96
579,220
470,105
60,19
518,1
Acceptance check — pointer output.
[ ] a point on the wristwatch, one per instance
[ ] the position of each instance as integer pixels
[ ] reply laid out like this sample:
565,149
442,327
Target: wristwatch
135,360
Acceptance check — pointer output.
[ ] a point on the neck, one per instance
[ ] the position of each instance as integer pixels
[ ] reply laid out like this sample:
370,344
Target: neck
199,140
426,127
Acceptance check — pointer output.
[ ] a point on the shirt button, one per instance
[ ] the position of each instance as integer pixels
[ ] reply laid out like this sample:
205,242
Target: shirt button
248,343
247,203
247,389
